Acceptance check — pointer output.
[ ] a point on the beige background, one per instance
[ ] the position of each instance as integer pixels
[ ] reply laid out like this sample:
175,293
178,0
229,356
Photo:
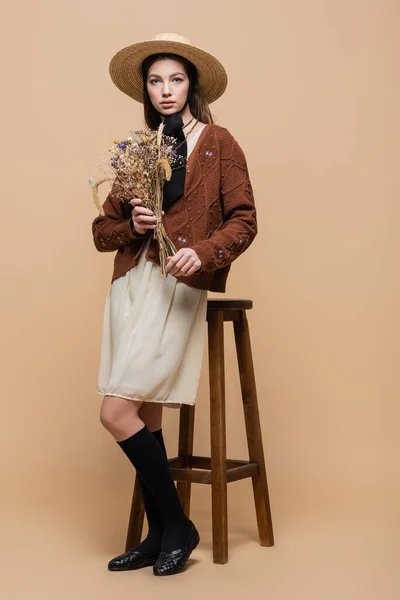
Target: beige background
313,99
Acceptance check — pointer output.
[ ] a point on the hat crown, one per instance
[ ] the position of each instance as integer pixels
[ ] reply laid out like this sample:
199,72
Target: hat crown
172,37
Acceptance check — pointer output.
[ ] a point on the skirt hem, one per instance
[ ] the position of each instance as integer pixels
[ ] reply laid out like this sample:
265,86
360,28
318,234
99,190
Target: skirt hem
167,404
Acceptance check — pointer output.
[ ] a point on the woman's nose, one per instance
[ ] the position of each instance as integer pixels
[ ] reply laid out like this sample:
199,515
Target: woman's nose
166,91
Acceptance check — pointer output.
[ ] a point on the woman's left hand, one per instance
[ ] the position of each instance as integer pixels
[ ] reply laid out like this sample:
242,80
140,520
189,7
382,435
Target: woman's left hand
184,263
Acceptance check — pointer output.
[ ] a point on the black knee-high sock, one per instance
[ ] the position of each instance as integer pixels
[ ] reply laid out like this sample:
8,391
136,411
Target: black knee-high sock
151,545
160,439
150,462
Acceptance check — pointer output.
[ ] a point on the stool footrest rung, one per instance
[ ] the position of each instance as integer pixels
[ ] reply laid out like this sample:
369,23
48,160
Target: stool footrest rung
197,469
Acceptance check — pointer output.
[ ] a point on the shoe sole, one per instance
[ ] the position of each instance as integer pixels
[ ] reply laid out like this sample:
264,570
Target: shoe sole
134,568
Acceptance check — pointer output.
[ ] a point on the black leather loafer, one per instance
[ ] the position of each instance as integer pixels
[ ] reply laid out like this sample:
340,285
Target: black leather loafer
131,560
169,563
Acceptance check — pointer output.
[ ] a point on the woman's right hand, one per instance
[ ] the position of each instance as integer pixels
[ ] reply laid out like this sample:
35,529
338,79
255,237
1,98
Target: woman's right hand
142,218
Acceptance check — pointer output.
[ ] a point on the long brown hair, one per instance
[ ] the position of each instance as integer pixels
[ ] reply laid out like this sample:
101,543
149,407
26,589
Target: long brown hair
197,104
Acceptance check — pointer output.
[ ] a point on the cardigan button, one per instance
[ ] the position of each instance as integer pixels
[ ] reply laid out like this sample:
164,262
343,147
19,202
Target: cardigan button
151,254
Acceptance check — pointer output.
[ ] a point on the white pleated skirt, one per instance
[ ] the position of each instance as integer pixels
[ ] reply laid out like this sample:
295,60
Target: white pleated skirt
153,337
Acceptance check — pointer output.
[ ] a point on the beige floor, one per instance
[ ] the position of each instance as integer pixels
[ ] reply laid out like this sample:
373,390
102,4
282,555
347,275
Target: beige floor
56,544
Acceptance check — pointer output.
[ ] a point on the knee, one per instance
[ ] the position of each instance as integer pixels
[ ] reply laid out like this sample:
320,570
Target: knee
113,415
109,416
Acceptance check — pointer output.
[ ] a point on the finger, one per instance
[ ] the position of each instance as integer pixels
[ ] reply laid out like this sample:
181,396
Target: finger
140,210
185,268
162,213
180,264
135,201
185,271
145,219
180,259
170,268
145,225
172,260
192,270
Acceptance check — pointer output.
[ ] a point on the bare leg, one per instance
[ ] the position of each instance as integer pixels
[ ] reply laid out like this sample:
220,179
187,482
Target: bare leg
121,417
151,414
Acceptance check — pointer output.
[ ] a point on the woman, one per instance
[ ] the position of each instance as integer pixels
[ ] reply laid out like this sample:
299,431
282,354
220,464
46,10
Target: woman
154,327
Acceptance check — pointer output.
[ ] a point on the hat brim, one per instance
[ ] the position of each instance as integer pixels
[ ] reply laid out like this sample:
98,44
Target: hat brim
125,68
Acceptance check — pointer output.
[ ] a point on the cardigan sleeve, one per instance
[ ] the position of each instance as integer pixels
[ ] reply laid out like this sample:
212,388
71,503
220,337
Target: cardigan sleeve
114,230
239,226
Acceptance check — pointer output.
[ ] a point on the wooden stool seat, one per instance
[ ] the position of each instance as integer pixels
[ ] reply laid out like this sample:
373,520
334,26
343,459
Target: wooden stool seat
216,470
229,304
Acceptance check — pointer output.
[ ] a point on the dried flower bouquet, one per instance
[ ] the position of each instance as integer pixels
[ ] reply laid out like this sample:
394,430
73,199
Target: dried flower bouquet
138,168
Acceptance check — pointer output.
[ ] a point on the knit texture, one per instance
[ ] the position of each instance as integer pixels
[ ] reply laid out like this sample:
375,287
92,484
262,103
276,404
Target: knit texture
216,216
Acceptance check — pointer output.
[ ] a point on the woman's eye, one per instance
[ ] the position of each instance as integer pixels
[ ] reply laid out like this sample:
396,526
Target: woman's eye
179,79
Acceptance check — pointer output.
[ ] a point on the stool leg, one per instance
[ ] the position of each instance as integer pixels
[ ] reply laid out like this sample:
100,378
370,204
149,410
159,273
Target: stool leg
135,527
185,451
253,429
218,437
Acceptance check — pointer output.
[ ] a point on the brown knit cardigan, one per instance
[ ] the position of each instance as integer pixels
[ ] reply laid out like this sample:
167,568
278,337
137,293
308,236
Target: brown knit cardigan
216,215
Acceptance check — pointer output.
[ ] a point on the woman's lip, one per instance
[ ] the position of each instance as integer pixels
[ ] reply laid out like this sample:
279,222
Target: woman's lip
167,103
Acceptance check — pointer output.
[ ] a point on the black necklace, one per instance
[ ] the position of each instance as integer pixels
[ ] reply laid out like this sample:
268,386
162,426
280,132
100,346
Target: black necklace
188,123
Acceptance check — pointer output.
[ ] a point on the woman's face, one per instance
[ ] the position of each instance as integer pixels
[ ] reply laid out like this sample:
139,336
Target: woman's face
168,86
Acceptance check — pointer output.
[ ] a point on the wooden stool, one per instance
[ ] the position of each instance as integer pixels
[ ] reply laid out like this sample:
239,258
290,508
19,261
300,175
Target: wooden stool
217,470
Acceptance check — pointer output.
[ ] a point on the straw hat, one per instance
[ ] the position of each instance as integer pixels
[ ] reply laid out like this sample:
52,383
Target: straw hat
126,74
